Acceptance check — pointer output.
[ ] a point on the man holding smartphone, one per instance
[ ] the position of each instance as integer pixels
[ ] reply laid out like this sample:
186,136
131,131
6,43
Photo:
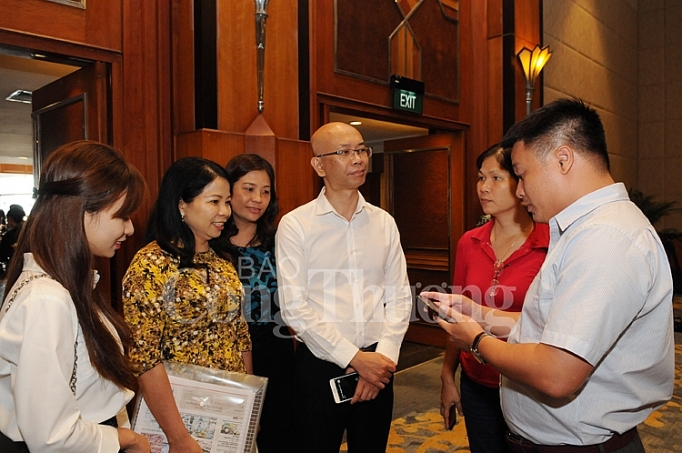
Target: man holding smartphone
343,289
591,355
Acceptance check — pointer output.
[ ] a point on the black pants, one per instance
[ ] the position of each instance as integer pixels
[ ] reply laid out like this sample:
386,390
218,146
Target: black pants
320,422
7,445
273,358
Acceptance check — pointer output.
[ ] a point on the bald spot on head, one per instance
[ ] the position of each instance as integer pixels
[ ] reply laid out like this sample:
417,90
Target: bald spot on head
325,139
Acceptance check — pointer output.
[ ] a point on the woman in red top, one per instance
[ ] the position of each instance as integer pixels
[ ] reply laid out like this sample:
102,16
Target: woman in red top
495,264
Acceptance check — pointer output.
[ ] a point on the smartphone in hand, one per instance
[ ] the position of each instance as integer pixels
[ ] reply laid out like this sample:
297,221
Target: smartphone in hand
343,387
432,309
452,419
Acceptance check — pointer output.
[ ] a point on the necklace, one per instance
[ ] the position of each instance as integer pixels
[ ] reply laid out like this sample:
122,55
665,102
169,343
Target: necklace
503,257
498,265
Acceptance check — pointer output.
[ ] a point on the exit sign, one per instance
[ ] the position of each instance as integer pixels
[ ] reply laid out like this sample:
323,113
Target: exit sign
408,94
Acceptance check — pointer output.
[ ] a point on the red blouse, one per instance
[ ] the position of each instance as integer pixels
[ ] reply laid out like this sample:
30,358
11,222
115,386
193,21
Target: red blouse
474,273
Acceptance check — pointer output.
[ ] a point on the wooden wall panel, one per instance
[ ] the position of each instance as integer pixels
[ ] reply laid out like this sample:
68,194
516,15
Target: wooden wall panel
182,66
294,174
324,81
141,109
475,72
366,26
440,50
99,25
237,75
218,146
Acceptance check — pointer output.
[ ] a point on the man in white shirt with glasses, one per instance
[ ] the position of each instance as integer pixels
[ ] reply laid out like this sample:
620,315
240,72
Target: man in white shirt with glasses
343,289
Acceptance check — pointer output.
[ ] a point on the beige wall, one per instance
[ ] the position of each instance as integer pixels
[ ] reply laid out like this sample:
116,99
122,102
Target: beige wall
624,57
660,103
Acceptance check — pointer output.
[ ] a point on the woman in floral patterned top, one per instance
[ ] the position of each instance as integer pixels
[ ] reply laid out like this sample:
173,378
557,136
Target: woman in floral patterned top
181,294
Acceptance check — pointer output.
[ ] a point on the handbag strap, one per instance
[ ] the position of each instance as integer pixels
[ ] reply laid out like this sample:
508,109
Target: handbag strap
10,301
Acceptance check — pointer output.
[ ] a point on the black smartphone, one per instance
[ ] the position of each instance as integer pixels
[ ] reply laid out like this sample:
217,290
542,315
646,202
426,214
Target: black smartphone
453,417
432,309
343,387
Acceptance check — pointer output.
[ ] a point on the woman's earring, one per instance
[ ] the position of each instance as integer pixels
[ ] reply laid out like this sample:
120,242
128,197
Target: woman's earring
182,216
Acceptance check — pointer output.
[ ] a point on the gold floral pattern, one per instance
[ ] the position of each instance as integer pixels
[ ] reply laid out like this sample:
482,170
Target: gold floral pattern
190,315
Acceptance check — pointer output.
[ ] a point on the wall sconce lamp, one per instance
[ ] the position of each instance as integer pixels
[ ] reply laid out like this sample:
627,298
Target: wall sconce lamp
532,63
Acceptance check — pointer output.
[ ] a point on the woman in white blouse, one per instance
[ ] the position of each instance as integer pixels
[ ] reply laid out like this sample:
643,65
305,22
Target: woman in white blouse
64,378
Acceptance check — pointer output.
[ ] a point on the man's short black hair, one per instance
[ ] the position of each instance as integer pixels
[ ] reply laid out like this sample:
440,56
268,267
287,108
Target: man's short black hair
564,121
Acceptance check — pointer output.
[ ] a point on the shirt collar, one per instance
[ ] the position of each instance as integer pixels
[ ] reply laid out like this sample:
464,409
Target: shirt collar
325,207
537,239
586,204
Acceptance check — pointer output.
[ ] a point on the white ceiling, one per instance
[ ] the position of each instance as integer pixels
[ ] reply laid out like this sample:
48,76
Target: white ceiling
16,127
375,132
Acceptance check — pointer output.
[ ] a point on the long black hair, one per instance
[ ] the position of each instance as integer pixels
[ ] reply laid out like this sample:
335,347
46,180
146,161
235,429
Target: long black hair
184,180
236,168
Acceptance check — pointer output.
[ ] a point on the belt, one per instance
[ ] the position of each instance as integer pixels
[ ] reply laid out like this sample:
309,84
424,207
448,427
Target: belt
520,445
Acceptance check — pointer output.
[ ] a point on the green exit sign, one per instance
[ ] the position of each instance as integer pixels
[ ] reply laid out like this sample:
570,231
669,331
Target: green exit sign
408,94
408,101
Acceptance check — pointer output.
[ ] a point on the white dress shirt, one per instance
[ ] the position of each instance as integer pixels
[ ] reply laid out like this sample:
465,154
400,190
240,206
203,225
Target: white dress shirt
604,294
343,284
37,336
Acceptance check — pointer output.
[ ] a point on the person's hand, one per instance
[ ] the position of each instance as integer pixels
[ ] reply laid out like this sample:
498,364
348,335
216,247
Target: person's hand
456,302
373,367
364,392
185,444
449,396
460,326
131,442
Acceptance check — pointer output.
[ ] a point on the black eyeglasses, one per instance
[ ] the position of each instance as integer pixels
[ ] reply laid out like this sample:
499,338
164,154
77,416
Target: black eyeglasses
346,153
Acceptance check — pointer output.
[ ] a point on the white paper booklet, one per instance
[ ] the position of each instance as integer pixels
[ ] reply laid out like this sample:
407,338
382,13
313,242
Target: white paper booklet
221,409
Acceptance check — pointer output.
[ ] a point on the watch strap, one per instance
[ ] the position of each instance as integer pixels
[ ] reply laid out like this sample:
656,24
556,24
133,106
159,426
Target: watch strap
474,347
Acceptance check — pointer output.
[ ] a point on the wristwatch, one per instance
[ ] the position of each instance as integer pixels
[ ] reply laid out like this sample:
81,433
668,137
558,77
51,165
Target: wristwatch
474,347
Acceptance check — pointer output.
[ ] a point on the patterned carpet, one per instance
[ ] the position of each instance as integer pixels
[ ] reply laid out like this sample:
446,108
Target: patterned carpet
421,431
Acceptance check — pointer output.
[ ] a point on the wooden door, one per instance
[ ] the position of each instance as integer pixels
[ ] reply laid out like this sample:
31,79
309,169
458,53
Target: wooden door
424,191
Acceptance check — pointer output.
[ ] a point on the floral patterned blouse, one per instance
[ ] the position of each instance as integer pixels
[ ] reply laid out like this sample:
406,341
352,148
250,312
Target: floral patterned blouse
189,315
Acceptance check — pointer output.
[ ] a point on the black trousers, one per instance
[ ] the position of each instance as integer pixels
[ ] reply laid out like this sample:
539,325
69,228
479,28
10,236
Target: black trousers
273,358
320,422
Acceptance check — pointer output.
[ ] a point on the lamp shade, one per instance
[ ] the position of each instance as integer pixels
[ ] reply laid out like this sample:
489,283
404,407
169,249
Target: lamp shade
533,62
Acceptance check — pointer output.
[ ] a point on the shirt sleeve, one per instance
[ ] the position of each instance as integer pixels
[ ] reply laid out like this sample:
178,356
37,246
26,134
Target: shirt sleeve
398,298
322,338
587,316
47,412
144,311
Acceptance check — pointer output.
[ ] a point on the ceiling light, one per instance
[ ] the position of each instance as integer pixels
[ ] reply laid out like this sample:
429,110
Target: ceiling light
355,123
22,96
22,157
